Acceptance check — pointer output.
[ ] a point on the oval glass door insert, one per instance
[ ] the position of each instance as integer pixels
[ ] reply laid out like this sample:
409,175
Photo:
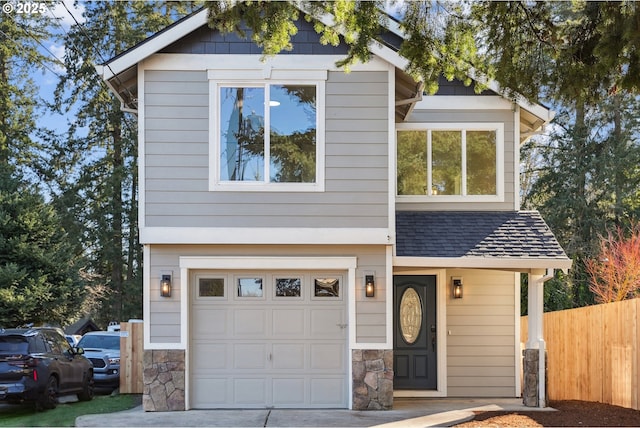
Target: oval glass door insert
410,315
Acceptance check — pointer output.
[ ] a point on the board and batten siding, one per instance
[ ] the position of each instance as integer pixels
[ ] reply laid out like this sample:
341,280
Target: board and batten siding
165,316
176,161
472,116
481,328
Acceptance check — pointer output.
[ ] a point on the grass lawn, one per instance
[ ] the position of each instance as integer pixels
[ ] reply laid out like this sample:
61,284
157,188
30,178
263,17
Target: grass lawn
64,415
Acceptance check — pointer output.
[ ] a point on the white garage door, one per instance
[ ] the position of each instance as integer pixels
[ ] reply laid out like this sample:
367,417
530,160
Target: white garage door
268,340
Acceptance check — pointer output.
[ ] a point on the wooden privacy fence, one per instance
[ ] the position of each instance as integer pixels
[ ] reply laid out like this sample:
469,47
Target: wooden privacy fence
593,353
131,355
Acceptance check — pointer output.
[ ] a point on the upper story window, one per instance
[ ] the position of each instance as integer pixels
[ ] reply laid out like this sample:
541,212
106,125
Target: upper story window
267,136
450,162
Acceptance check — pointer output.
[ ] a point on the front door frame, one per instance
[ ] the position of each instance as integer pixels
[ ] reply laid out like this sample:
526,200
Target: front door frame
441,321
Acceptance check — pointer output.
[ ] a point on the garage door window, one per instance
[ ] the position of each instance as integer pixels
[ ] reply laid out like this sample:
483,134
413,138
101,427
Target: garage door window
326,288
211,287
288,287
250,287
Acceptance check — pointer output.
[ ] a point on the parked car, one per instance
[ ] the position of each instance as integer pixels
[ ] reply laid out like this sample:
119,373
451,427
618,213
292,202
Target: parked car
73,339
38,365
102,348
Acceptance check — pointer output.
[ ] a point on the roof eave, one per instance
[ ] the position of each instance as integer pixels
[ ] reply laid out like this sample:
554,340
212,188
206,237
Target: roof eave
518,264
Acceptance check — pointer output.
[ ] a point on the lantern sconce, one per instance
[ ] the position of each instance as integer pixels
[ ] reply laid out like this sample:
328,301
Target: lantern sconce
369,285
457,287
165,285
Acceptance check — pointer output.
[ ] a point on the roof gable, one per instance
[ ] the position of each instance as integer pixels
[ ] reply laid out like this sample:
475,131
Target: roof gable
121,75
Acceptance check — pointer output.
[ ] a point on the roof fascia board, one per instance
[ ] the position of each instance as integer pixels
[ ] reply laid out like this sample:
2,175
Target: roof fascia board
522,264
153,45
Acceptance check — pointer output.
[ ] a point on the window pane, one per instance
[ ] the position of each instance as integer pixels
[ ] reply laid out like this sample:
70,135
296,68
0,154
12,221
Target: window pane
242,134
446,161
327,287
249,287
288,287
412,162
481,162
293,133
211,287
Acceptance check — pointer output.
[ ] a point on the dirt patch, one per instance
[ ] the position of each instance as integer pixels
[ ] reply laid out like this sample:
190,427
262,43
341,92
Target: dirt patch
569,413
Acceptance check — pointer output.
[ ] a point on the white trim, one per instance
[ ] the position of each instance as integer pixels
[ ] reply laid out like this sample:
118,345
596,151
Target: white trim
498,127
516,159
262,235
146,295
229,62
268,74
391,153
519,264
516,342
154,44
463,102
142,144
271,263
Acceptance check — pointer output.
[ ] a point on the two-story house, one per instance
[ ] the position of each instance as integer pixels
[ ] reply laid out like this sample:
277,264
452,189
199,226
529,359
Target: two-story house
321,239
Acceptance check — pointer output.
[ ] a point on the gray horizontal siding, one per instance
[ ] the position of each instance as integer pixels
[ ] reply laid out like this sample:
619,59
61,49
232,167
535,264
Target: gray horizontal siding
481,347
176,111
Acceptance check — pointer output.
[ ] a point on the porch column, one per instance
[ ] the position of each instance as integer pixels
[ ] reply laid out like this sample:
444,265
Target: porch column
535,379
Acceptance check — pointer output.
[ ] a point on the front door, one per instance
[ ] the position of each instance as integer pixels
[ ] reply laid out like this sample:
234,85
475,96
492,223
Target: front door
414,334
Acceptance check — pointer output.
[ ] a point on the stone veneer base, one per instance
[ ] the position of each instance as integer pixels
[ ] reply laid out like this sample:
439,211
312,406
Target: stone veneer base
372,379
164,380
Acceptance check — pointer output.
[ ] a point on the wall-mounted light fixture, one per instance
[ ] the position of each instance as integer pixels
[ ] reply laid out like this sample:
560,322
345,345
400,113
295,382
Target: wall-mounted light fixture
457,287
165,285
369,285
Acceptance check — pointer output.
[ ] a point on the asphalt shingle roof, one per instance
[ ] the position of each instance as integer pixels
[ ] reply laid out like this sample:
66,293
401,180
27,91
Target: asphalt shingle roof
510,234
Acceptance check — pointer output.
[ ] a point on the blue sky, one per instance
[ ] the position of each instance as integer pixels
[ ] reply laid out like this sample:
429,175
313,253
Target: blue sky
47,77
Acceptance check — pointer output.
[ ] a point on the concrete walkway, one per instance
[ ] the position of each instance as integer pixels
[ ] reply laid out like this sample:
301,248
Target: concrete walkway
406,413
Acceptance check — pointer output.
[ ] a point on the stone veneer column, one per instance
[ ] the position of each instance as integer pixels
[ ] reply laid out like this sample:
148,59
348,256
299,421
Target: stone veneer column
372,379
164,383
531,372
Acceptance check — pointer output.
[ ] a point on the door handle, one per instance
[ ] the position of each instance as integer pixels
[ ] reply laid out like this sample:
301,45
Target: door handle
342,326
433,337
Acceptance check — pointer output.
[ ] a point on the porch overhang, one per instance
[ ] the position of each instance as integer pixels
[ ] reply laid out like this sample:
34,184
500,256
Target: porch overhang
518,241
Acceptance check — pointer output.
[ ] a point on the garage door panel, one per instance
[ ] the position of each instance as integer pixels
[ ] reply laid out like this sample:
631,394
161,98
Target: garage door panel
213,356
250,322
250,391
327,392
288,356
210,392
326,323
289,392
211,322
250,356
288,323
327,356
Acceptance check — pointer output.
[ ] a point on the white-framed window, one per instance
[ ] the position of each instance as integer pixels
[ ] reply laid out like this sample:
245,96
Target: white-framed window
450,162
267,134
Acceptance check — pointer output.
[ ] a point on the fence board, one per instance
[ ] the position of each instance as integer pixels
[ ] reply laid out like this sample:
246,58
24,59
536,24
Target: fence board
593,353
131,355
